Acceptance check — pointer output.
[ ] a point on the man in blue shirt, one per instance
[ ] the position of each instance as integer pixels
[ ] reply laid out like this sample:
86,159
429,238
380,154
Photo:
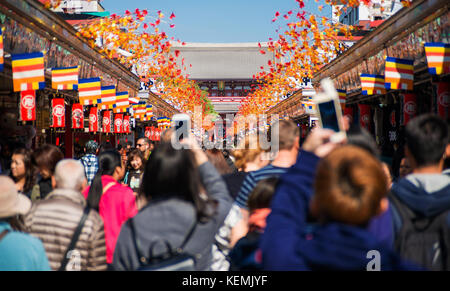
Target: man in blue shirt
289,144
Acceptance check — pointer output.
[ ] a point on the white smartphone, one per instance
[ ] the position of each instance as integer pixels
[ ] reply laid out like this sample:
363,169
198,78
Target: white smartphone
182,125
329,110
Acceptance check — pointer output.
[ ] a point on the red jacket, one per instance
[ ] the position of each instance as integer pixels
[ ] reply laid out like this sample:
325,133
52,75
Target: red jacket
117,205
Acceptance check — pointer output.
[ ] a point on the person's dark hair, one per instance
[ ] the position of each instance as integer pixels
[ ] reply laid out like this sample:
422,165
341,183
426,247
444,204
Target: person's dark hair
361,137
30,170
261,195
447,163
173,173
91,147
146,140
108,161
426,138
106,146
17,223
47,156
217,159
135,153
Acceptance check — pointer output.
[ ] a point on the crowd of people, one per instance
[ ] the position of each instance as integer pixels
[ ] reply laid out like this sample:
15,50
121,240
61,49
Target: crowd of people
316,205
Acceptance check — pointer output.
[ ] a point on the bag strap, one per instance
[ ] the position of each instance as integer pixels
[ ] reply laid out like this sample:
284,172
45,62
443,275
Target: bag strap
188,236
4,233
108,186
137,243
74,238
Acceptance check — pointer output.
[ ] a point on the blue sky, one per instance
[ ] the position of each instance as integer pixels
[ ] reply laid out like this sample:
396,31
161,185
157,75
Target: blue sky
218,21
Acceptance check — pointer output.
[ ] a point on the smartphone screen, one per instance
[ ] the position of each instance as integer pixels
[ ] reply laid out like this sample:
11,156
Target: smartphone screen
328,115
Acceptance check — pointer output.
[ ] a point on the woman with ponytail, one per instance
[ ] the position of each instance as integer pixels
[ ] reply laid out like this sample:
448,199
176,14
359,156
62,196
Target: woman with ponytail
115,202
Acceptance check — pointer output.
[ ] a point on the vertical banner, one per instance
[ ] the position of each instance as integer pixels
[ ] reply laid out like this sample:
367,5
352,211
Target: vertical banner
77,116
58,113
106,121
1,51
153,133
147,132
304,130
93,119
158,134
28,105
348,112
342,98
409,107
118,121
364,116
443,100
126,124
390,125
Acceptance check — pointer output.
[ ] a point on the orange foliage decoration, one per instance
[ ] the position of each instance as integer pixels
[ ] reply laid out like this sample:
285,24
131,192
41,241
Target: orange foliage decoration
308,43
136,40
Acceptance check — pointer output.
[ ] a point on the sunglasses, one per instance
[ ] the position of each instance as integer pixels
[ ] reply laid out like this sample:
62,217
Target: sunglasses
139,145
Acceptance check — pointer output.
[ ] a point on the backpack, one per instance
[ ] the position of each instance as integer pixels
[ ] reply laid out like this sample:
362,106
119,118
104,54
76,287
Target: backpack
422,240
171,260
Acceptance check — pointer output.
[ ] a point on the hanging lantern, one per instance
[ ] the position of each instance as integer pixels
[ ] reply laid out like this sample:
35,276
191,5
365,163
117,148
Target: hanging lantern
77,116
348,111
28,105
364,116
409,107
443,99
118,123
106,121
93,119
58,113
147,132
126,124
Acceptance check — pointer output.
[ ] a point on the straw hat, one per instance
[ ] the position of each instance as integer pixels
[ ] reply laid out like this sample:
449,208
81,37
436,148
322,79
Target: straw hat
11,202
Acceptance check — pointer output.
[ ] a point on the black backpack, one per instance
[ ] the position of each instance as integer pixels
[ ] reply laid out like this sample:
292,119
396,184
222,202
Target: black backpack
172,260
422,240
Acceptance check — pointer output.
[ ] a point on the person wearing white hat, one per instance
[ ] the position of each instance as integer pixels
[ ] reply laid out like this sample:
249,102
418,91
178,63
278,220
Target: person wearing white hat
18,251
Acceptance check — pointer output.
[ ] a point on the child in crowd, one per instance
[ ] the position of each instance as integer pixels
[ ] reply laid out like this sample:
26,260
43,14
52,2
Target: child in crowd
246,254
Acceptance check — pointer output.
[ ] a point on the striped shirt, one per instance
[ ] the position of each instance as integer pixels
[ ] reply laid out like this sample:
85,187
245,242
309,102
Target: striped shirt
253,178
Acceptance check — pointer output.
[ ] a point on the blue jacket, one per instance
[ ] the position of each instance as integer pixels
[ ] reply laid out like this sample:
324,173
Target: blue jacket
288,219
336,246
21,252
426,194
